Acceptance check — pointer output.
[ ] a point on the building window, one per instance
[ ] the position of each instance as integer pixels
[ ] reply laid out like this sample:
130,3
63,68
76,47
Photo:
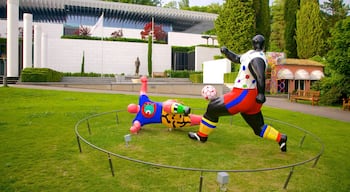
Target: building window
299,84
283,86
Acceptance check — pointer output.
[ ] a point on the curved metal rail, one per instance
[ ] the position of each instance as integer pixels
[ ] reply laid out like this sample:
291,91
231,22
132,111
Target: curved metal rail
109,153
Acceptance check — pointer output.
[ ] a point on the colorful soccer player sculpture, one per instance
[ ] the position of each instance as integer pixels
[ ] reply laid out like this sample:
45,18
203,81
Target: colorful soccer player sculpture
246,97
170,113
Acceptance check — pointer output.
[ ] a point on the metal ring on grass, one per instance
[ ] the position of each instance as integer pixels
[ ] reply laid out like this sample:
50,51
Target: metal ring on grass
109,153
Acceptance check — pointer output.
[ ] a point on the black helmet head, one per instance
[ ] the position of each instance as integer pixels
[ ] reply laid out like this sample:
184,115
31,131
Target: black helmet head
258,42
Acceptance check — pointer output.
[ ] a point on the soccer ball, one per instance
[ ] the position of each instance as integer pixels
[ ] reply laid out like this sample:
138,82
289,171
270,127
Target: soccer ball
208,92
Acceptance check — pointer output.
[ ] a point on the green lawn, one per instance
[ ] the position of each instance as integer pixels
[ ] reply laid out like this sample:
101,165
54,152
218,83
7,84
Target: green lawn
39,150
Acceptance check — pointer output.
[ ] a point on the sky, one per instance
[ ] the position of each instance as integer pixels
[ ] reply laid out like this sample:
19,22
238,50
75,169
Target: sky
207,2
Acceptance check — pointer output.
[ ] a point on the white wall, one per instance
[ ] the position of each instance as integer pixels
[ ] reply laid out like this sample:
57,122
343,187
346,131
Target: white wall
187,39
203,54
105,56
213,71
3,26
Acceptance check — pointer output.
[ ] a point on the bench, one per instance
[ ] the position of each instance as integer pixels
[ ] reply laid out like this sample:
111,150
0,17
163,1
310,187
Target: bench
346,104
158,74
313,96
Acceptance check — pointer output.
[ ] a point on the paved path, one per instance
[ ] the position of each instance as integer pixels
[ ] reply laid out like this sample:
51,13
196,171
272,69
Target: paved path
329,112
276,102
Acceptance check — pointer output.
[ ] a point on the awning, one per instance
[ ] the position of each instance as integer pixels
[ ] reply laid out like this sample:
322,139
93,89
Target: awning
285,74
301,74
316,75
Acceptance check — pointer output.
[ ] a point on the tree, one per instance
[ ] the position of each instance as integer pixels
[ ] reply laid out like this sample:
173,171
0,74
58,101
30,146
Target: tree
82,71
212,8
184,3
235,25
158,32
339,56
290,9
171,4
140,2
277,42
332,12
336,85
262,19
149,64
309,33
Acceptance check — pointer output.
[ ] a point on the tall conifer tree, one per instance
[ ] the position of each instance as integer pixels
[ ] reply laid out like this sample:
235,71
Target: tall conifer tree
290,9
235,25
309,33
277,42
262,19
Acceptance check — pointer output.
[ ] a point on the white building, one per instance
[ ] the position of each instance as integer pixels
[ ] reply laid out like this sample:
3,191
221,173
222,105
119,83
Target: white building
51,19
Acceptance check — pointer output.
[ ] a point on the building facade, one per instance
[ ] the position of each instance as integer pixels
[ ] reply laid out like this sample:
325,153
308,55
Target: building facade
287,75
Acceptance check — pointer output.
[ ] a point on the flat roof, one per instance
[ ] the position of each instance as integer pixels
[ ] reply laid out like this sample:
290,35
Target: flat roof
57,11
303,62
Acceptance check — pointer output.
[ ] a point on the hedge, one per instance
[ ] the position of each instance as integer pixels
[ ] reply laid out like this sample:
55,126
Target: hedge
40,75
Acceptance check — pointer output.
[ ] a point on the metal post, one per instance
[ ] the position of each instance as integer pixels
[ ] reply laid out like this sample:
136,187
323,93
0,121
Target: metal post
201,181
110,164
314,165
116,117
88,126
288,178
302,141
79,144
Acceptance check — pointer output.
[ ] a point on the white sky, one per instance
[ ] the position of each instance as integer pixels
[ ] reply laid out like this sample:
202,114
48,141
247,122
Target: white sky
207,2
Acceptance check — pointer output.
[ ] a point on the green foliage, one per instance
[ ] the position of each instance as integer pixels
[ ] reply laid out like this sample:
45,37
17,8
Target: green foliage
262,19
183,49
196,77
230,77
337,85
277,42
212,8
235,25
332,12
140,2
339,56
40,75
309,33
149,61
181,74
290,9
210,32
216,57
184,4
80,37
331,89
171,4
83,64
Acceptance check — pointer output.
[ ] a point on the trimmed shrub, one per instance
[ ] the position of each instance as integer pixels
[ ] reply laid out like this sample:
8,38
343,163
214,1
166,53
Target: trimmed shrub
196,77
230,77
40,75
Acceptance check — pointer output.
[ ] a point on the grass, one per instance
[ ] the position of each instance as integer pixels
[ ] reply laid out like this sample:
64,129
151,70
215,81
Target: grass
39,150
